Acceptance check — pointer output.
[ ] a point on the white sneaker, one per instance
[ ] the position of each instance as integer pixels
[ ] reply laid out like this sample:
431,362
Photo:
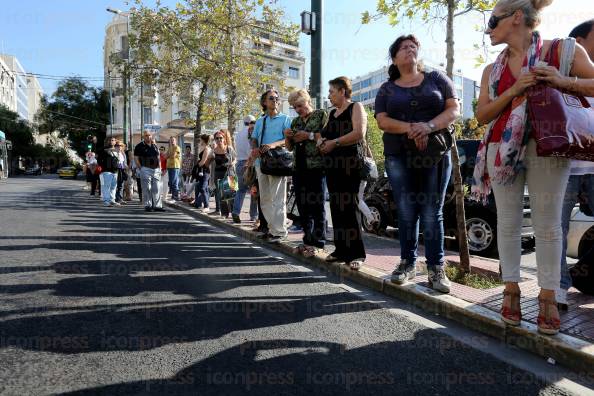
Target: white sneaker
439,281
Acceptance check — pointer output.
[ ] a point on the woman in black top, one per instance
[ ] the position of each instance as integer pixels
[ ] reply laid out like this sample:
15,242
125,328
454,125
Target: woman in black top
224,159
201,174
409,107
343,132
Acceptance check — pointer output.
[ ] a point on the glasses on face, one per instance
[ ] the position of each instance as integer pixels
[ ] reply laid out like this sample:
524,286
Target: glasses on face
494,20
219,138
407,47
273,98
161,149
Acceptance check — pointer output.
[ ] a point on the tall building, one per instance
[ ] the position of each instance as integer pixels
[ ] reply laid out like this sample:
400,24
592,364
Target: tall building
20,85
34,95
7,86
283,60
365,88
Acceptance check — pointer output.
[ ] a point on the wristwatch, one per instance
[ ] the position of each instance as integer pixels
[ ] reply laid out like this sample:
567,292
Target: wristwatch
432,126
312,136
337,141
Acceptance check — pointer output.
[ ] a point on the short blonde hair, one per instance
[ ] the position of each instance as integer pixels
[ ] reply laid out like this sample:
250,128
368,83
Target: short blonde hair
298,97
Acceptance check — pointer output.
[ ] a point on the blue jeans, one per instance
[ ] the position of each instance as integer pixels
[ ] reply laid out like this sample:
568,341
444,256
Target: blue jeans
109,185
201,191
240,194
173,182
419,194
575,185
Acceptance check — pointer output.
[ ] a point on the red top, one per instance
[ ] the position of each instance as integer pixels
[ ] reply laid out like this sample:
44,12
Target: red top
505,83
163,159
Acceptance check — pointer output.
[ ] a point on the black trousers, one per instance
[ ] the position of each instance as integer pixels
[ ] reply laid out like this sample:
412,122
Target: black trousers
343,188
309,196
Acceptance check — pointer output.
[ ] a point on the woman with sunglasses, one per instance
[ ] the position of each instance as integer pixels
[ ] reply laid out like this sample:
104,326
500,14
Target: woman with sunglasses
409,107
224,160
507,158
269,134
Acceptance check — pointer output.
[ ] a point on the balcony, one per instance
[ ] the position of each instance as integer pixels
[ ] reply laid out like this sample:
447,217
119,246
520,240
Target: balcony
280,53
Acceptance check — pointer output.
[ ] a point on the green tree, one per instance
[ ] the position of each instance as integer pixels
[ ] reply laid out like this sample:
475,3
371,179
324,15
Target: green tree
375,141
76,110
435,11
17,131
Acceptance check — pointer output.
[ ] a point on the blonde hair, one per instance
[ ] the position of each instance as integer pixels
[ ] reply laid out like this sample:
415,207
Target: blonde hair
298,97
530,8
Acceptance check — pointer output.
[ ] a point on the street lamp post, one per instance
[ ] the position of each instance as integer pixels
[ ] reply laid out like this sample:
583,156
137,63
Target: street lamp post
311,24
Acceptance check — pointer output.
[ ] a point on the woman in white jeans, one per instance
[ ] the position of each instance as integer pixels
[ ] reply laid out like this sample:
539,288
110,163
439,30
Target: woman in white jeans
507,158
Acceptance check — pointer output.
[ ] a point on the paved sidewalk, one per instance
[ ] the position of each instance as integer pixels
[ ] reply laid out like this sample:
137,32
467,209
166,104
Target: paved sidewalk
383,253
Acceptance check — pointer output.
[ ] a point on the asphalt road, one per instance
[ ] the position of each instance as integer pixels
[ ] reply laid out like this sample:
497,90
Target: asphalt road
115,301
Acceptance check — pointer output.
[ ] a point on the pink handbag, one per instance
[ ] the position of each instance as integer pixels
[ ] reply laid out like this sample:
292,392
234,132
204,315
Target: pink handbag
563,123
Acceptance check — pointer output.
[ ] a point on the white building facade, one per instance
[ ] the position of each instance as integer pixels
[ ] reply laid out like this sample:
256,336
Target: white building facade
20,85
283,60
7,86
34,95
365,88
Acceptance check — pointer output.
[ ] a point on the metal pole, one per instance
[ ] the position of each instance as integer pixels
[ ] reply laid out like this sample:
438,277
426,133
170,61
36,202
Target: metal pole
129,84
125,112
141,103
110,106
316,54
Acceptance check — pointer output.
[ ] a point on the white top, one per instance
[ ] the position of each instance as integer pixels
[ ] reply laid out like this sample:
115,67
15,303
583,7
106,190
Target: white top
242,145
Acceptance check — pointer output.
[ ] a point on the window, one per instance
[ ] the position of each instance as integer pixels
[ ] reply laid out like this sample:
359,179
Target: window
458,80
125,47
366,83
293,72
460,94
147,115
356,86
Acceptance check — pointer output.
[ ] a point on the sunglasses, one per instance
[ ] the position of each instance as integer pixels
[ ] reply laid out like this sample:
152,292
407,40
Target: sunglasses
219,138
273,98
249,123
494,20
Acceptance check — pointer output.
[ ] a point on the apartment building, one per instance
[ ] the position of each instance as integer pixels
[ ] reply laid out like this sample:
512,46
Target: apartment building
34,95
20,85
7,86
283,61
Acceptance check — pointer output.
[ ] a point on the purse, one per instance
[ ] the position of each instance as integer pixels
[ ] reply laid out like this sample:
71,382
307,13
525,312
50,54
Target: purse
249,176
369,167
438,144
562,123
277,161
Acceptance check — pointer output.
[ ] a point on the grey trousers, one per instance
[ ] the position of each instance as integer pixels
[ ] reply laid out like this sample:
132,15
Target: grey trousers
150,180
547,179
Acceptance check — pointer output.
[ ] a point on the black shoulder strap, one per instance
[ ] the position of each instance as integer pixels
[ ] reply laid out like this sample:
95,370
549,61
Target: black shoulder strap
263,130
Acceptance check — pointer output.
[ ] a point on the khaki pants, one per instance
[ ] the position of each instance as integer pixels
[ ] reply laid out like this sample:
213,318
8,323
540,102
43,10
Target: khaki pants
547,179
273,201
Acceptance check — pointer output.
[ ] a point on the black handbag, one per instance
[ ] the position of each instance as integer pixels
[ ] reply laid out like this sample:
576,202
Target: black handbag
438,144
277,161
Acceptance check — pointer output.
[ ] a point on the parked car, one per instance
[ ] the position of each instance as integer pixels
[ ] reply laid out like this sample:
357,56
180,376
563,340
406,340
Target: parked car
580,238
481,221
33,170
67,172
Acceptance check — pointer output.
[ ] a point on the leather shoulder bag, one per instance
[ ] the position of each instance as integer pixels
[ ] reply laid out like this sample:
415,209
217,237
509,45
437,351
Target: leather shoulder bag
277,161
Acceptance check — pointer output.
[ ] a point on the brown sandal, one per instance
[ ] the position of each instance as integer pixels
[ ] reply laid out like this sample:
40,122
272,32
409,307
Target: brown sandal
546,323
512,315
309,251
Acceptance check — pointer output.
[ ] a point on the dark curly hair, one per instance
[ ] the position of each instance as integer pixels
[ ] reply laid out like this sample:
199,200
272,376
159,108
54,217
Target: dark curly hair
393,71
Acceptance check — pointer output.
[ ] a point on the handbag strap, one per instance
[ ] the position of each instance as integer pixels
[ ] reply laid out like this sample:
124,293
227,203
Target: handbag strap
263,130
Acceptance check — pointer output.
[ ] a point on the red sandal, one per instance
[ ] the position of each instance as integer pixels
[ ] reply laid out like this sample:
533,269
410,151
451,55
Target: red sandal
546,323
512,315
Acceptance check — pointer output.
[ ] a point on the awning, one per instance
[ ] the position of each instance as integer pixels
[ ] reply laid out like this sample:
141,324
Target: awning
2,136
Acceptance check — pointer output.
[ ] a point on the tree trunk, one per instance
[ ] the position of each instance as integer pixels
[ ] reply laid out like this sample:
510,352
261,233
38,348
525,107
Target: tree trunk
199,107
232,87
458,184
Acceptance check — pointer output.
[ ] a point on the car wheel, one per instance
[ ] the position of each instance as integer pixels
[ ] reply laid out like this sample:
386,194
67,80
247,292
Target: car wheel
378,222
586,243
482,235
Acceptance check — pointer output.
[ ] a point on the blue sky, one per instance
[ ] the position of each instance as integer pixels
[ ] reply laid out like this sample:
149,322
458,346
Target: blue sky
65,37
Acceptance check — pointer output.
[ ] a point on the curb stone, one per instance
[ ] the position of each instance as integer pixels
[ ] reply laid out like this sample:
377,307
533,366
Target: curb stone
569,351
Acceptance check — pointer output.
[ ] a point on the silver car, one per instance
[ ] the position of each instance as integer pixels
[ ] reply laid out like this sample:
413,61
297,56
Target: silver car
580,238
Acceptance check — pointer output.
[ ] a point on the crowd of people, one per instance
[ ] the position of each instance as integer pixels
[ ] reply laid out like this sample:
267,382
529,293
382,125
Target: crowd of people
324,154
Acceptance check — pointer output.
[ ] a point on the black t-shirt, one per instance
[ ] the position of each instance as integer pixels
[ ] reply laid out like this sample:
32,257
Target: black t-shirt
416,104
148,154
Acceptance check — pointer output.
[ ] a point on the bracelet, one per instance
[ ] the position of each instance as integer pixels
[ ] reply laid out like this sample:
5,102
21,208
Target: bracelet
573,84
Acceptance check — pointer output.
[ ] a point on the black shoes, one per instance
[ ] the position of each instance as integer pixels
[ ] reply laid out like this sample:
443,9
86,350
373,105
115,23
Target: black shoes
236,218
159,210
148,209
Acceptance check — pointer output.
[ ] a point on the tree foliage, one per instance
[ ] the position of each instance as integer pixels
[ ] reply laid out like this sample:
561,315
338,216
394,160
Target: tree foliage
202,51
17,131
429,11
374,139
75,110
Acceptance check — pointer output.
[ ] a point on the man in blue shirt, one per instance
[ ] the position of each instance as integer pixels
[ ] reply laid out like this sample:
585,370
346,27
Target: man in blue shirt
269,134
